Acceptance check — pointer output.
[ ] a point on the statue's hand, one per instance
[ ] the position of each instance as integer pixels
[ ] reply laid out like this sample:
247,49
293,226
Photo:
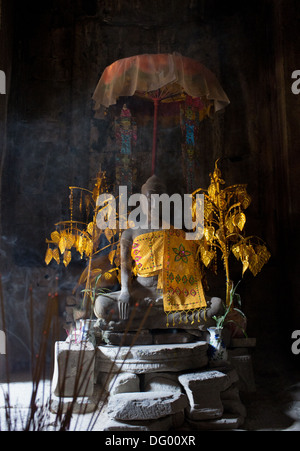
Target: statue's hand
123,304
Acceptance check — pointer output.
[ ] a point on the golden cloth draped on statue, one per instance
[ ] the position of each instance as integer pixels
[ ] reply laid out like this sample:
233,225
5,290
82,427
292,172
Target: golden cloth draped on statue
168,254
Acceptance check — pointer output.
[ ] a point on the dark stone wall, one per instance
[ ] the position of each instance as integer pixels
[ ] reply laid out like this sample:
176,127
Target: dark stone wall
59,49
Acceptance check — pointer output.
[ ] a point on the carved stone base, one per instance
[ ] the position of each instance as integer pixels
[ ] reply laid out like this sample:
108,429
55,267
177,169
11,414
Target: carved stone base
151,358
147,387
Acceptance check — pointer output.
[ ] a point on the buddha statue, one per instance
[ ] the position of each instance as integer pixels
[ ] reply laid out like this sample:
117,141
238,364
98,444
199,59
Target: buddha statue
167,282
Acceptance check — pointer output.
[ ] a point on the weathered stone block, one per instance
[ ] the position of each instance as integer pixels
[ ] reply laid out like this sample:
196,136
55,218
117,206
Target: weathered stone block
162,381
73,369
152,358
203,391
124,383
145,405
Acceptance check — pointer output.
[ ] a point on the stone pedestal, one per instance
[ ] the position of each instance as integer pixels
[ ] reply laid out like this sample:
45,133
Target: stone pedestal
204,399
151,358
152,387
159,387
203,390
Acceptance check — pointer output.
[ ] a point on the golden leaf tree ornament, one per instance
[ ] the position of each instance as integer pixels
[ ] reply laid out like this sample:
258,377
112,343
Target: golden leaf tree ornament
83,237
224,224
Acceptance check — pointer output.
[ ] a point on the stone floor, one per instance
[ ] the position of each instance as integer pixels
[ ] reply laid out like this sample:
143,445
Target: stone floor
275,406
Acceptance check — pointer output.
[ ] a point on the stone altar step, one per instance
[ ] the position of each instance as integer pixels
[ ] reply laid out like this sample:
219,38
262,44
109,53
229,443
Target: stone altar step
151,358
145,405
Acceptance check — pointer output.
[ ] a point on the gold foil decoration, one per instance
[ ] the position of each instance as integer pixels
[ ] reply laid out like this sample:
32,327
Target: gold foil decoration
224,224
90,228
209,233
48,256
55,236
89,247
83,236
55,254
62,244
70,240
67,258
239,220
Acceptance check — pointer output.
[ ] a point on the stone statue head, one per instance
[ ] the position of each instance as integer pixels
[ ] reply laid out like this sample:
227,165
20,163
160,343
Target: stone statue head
154,185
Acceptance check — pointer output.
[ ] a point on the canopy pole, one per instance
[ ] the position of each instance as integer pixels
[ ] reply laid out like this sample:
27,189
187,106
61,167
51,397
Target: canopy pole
156,101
